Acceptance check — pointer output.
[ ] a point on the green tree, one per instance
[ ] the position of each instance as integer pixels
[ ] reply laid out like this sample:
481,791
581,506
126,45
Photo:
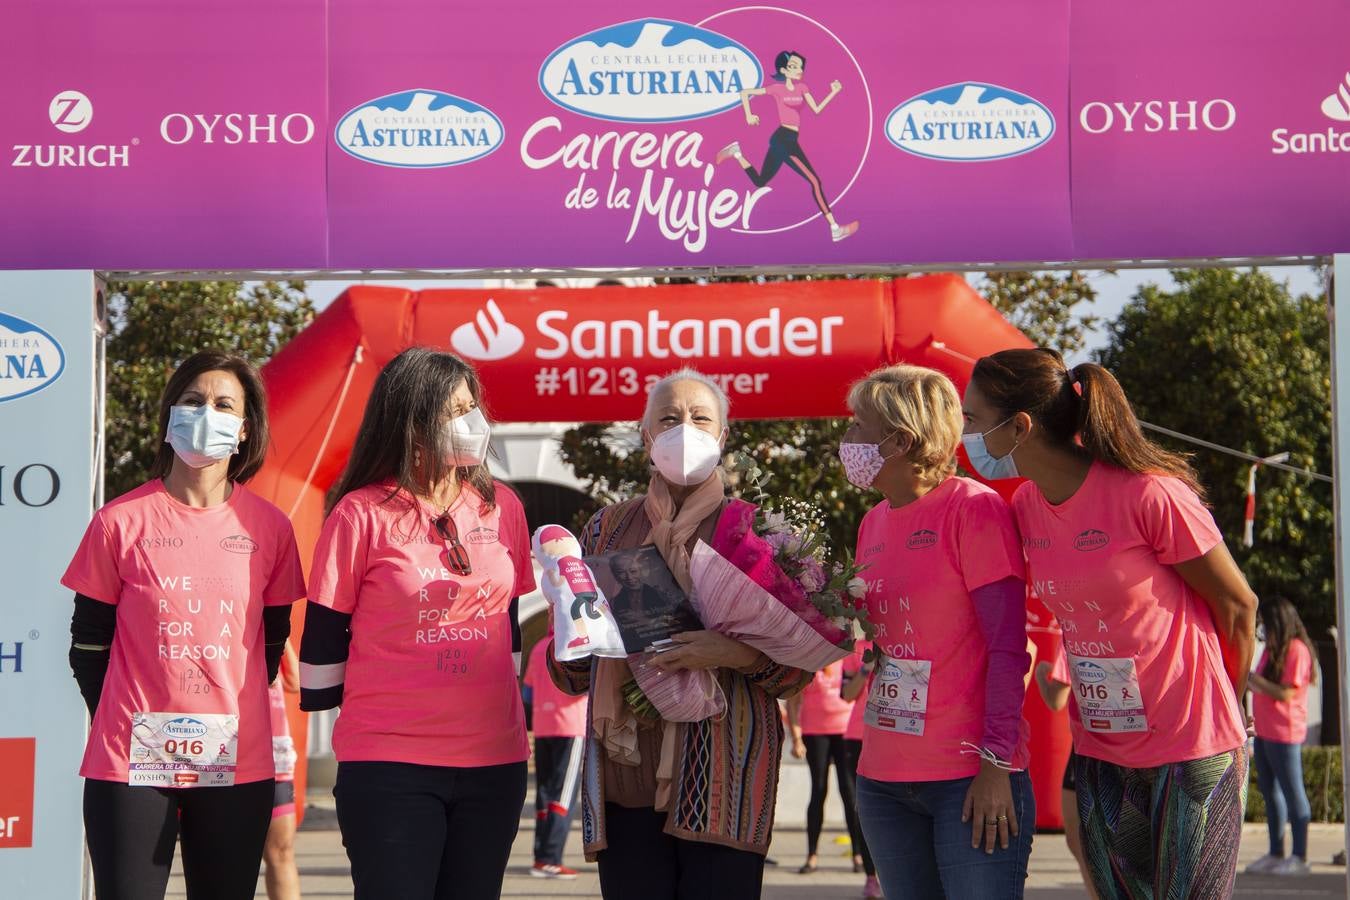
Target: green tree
155,325
1043,306
1231,357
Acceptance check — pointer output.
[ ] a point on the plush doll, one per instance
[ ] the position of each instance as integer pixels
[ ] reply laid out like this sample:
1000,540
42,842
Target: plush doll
582,619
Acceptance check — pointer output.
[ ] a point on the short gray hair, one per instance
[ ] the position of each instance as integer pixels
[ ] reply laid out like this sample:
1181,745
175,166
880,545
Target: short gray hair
687,374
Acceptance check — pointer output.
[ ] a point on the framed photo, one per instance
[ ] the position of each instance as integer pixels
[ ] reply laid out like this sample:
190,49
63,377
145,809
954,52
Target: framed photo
648,603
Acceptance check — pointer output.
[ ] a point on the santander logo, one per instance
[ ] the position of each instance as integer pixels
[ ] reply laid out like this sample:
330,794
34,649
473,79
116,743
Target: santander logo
1337,105
489,336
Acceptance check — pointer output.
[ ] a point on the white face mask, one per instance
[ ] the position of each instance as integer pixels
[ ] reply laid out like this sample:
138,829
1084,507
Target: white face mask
201,435
685,454
465,439
989,466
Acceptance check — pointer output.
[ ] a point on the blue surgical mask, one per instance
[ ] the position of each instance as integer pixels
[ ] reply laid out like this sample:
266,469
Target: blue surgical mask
201,435
994,468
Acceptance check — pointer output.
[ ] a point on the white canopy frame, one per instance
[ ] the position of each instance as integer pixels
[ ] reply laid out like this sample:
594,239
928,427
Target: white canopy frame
700,271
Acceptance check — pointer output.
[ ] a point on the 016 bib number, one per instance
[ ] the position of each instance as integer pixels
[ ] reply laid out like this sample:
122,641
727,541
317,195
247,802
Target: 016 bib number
1108,696
898,701
183,750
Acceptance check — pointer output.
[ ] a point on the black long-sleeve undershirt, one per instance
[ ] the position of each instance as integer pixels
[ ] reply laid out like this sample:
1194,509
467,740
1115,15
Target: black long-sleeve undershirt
92,626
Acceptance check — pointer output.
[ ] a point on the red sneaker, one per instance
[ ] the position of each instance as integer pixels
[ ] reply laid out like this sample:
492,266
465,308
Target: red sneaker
581,641
552,870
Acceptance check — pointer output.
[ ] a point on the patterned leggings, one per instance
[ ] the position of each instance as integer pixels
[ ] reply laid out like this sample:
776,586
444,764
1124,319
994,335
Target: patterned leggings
1167,832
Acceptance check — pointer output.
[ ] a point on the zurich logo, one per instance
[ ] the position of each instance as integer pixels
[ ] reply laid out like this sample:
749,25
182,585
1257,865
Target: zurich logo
1090,672
970,122
419,129
489,336
649,70
30,358
184,727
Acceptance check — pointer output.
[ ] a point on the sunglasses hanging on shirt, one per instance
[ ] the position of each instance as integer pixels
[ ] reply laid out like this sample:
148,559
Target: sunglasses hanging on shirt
457,553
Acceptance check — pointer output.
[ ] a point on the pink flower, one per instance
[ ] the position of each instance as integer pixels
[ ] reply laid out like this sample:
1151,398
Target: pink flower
813,576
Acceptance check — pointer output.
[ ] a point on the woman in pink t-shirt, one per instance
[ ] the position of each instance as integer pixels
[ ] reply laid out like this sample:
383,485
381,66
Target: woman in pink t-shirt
558,721
411,628
856,676
1052,680
1280,710
943,797
789,93
183,591
817,718
280,873
1158,622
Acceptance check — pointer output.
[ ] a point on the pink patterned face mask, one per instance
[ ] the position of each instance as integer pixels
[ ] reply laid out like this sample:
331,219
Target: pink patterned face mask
862,463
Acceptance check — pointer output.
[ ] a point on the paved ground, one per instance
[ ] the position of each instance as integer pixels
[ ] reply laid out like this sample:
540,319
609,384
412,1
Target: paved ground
324,872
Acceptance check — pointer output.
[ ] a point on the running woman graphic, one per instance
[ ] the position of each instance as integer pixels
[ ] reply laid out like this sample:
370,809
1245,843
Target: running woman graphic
788,93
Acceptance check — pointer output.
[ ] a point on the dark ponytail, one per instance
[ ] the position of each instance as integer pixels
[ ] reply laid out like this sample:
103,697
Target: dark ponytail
1086,404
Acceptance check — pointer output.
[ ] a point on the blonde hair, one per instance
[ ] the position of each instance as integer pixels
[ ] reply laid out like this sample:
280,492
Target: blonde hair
919,404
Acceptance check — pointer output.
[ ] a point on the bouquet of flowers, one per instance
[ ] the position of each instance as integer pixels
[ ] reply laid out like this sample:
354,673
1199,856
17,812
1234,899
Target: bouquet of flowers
767,580
797,566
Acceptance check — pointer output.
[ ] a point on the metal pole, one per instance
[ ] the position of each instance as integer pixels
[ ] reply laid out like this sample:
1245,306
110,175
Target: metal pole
1339,295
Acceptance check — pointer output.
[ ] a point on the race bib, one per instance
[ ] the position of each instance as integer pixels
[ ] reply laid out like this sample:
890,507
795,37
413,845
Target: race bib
183,749
284,756
1107,691
899,698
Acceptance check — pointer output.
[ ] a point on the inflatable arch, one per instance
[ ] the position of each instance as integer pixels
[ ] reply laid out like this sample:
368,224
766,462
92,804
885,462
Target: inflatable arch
783,349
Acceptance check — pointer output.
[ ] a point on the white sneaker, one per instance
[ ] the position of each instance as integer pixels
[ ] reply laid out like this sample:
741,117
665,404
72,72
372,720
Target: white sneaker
1264,865
1292,865
730,151
839,232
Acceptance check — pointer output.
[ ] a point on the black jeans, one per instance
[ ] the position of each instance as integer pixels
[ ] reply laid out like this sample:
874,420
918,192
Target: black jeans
642,862
131,833
821,750
428,832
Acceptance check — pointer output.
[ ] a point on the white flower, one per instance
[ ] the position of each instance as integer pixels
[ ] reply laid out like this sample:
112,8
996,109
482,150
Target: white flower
793,545
857,587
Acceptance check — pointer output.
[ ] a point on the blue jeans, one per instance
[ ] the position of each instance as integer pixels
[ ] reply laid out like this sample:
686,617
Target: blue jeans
1279,776
922,848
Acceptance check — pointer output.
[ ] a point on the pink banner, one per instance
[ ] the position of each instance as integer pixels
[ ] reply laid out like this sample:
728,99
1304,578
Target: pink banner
307,134
1207,129
613,126
163,135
